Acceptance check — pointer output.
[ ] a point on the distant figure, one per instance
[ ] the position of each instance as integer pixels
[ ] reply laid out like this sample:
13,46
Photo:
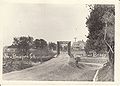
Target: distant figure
77,59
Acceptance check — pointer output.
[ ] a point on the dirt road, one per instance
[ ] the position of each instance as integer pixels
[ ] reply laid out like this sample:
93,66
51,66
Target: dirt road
56,69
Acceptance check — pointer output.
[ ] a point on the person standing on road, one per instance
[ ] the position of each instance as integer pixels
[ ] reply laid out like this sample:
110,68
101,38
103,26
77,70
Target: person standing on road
77,59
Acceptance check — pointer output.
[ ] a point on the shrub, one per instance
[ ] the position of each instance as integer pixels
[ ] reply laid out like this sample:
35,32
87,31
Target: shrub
14,64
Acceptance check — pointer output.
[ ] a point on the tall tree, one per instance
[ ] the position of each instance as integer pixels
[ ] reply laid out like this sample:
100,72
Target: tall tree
23,44
43,43
40,44
101,26
52,46
36,44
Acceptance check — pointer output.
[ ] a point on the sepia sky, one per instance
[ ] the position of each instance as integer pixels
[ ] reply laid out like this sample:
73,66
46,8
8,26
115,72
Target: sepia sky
51,22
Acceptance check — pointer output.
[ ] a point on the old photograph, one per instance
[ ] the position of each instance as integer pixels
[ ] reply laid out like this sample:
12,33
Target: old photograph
58,42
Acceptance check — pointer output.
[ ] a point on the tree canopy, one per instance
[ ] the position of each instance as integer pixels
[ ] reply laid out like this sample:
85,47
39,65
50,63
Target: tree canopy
23,44
40,44
52,45
100,25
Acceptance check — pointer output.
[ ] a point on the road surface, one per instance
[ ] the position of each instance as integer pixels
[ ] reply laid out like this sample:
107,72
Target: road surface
56,69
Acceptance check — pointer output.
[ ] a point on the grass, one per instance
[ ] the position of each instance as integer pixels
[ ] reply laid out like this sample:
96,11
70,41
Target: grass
93,60
57,69
42,55
106,73
89,59
16,64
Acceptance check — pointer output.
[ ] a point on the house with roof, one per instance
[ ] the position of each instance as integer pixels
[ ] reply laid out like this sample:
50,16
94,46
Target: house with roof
79,45
78,48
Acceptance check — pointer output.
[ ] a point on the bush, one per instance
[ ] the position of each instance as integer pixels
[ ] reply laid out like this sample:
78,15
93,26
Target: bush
42,58
14,64
42,55
10,64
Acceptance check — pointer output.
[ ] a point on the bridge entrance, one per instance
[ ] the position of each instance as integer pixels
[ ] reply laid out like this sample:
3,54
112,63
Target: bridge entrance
64,46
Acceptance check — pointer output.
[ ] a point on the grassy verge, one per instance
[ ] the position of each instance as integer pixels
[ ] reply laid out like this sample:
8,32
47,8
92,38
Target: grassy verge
106,73
16,64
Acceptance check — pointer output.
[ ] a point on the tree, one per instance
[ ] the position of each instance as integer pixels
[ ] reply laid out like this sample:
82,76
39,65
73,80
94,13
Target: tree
23,44
36,43
40,44
52,46
100,25
43,43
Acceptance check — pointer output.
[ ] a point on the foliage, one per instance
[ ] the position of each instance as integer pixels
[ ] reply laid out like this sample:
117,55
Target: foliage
23,62
40,44
101,18
23,44
27,51
52,46
14,64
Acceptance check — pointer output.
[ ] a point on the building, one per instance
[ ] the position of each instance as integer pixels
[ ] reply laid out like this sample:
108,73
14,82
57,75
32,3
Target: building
78,48
79,45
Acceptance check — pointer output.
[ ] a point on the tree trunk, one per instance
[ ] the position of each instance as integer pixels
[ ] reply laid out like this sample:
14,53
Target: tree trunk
111,59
